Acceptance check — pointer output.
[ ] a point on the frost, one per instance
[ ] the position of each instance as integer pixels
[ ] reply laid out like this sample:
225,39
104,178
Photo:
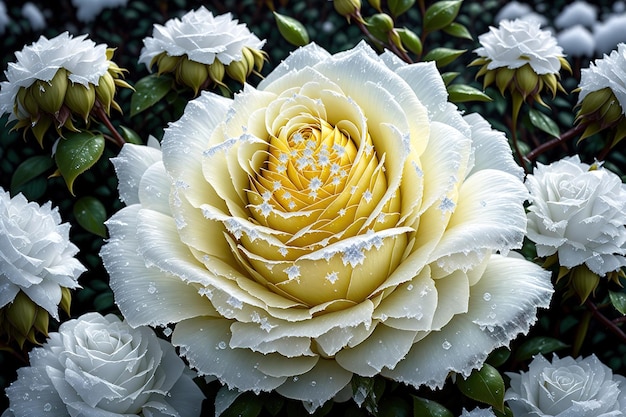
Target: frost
332,277
222,147
447,205
292,272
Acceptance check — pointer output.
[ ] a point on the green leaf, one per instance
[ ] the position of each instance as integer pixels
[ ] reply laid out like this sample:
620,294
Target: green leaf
460,93
77,153
397,7
543,122
448,77
30,169
618,299
537,345
443,56
367,392
292,30
428,408
499,356
91,215
410,40
484,385
148,91
104,301
441,14
131,136
245,405
458,31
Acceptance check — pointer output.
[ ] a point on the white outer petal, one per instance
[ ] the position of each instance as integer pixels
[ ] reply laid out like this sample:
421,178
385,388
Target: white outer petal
130,165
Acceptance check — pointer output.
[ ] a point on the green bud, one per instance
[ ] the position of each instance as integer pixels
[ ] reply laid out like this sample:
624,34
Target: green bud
410,40
583,282
166,63
610,113
594,101
21,314
375,4
504,77
192,74
347,7
26,102
527,80
216,72
381,22
80,99
238,71
66,300
105,90
292,30
49,95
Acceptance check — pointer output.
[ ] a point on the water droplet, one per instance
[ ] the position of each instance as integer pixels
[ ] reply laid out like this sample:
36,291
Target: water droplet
151,288
47,407
486,296
221,345
313,383
446,345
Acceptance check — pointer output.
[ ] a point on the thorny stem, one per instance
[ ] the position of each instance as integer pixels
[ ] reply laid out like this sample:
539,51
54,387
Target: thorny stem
546,146
116,137
612,326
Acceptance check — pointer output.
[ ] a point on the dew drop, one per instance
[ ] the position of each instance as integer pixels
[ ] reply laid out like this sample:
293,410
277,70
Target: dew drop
47,407
313,383
151,288
221,345
486,296
446,345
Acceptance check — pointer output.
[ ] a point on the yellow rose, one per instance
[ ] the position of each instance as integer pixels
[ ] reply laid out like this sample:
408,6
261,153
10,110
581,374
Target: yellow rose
342,218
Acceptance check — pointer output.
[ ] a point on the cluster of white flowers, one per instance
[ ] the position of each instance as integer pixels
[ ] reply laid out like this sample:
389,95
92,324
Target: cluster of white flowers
322,225
577,27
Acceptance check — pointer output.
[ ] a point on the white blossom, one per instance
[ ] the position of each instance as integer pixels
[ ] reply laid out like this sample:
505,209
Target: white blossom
34,16
371,256
201,36
577,13
36,255
566,387
576,41
478,412
85,61
519,42
100,366
610,72
579,213
87,10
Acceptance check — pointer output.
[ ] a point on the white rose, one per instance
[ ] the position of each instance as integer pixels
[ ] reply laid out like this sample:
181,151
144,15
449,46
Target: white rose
608,72
201,36
100,366
85,62
578,213
36,255
566,387
339,219
478,412
516,43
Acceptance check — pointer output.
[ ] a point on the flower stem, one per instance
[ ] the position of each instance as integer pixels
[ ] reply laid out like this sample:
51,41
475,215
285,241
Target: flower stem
116,137
605,320
581,333
546,146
